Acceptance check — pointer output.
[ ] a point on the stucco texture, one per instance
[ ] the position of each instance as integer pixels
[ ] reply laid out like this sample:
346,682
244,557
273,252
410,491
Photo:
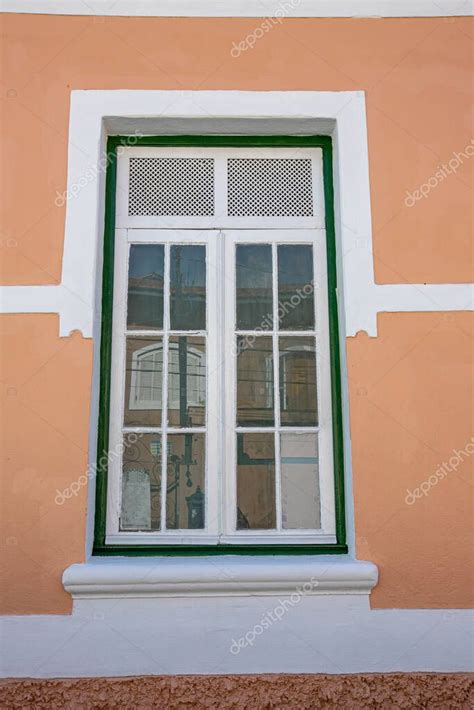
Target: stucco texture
45,392
437,691
410,401
410,411
416,73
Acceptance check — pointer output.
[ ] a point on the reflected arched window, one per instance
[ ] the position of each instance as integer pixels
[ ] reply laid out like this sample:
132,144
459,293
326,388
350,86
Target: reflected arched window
187,381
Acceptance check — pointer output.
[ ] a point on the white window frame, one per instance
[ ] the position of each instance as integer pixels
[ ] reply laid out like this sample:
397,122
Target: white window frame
316,238
124,238
220,241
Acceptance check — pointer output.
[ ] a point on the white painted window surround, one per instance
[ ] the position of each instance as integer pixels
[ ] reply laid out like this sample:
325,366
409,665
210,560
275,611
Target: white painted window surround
201,607
244,8
93,115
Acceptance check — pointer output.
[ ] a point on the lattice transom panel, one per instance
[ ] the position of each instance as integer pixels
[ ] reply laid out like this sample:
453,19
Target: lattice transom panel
269,187
171,187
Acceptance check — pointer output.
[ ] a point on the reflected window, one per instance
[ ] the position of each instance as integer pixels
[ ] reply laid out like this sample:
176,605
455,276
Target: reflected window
147,381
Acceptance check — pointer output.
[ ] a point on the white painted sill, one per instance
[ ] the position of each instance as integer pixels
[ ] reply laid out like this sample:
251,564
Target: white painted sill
226,575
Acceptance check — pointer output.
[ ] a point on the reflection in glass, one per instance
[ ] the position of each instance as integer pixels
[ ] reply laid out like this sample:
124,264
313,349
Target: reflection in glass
145,287
295,287
300,481
256,481
254,286
254,381
141,482
298,396
188,287
186,381
143,381
185,491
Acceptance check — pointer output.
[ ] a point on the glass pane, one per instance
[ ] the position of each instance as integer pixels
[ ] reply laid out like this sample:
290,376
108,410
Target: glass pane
298,397
185,501
254,287
300,481
141,482
295,287
143,381
188,287
145,287
256,481
186,381
255,381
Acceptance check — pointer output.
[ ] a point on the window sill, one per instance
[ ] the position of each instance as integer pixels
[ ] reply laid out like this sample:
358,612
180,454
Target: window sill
223,576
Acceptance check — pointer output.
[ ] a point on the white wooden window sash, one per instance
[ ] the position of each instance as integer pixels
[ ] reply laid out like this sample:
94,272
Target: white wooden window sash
220,429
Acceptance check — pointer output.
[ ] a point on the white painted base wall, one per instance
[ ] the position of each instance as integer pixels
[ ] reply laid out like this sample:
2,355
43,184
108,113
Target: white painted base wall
156,636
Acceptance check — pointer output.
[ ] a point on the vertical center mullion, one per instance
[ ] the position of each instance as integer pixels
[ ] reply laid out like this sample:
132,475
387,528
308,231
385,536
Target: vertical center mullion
276,385
164,389
219,319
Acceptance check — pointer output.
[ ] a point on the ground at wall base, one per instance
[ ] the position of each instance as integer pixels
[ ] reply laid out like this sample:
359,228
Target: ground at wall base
436,691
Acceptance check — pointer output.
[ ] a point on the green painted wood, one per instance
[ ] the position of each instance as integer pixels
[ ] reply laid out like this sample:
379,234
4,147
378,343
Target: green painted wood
223,141
205,550
336,398
105,346
100,548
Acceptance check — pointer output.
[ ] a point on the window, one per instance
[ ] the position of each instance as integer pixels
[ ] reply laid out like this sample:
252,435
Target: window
221,417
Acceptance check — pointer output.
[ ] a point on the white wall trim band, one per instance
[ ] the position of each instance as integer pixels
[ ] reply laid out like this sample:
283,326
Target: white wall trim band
48,299
391,298
244,8
339,114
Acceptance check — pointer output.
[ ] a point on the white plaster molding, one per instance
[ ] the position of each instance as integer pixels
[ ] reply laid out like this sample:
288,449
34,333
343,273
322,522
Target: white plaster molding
48,299
424,297
244,8
371,299
225,575
94,114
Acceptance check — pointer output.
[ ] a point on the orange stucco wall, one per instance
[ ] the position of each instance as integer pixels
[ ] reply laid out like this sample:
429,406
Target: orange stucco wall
410,401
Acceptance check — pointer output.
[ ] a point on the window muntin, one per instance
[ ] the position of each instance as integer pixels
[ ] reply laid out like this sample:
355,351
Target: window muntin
210,307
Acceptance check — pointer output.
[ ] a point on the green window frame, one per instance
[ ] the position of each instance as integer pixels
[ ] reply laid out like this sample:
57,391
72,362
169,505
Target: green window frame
100,547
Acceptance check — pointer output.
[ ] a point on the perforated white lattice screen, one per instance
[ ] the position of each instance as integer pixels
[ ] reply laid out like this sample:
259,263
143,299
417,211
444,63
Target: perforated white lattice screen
269,187
171,187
